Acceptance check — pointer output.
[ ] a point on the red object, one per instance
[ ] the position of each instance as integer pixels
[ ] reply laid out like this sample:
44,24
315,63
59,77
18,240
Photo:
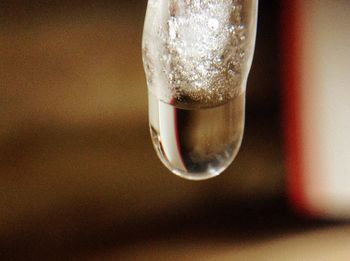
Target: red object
291,32
316,101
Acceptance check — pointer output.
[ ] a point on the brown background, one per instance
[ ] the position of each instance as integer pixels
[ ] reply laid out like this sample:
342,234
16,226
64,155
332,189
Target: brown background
78,174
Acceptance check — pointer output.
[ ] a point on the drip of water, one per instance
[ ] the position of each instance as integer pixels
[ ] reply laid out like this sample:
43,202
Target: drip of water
197,55
196,143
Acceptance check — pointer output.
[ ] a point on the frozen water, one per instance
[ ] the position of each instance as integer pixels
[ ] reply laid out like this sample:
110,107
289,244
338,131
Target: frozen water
201,50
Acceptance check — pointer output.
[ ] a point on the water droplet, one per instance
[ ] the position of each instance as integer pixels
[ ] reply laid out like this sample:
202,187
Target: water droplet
198,143
195,72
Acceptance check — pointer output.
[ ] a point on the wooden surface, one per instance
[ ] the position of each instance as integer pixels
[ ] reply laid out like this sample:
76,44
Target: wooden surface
322,244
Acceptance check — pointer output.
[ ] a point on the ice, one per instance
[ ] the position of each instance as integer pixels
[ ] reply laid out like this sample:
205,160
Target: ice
200,33
202,49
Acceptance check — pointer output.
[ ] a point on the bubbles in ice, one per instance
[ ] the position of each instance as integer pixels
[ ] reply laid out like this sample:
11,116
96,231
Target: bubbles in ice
203,50
213,23
205,42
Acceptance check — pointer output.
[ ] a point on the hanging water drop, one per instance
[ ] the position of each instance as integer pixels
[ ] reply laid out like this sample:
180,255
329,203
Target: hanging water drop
197,104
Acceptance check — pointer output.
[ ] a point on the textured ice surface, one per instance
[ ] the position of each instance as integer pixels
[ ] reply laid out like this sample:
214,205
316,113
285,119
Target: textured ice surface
200,51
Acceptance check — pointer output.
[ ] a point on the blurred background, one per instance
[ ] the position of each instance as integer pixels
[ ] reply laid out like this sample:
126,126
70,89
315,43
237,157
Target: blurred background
78,175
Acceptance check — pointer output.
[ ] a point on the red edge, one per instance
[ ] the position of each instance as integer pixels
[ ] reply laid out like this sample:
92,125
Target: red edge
291,32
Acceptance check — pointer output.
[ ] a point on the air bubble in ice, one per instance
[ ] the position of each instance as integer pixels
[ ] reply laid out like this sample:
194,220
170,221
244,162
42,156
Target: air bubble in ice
213,24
